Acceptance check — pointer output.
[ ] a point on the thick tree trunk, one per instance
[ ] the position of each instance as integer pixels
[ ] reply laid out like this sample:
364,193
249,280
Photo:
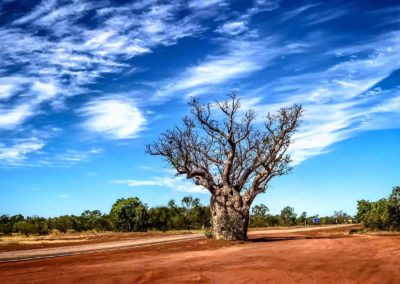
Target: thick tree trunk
229,219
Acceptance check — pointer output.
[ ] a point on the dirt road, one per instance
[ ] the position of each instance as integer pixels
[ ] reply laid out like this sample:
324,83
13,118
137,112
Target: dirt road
324,256
24,255
32,254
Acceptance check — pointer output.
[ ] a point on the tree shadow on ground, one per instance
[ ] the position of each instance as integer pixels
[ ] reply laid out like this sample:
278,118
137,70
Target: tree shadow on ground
291,238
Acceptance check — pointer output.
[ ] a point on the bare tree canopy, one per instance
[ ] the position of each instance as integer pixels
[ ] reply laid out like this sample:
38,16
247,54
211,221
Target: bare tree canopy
226,151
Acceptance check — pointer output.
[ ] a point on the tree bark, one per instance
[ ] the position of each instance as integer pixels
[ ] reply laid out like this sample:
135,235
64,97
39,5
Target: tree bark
230,220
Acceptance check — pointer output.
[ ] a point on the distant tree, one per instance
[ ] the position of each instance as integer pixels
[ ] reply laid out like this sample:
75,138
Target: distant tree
130,215
272,220
202,217
383,214
394,209
288,216
259,216
4,219
40,224
233,158
92,220
302,218
172,203
259,211
6,227
189,205
62,223
25,228
160,219
17,218
363,210
374,215
340,216
328,220
379,216
188,202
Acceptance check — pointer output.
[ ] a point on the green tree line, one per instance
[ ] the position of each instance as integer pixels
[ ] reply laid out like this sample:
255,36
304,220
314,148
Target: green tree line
287,217
126,215
383,214
132,215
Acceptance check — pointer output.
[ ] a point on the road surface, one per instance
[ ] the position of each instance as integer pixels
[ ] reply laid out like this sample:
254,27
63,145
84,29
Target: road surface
24,255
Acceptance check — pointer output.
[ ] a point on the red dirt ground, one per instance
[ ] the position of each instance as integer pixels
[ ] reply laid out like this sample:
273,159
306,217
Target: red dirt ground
82,239
330,256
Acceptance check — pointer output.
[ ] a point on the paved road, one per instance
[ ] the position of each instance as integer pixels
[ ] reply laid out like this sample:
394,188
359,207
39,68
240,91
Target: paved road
90,248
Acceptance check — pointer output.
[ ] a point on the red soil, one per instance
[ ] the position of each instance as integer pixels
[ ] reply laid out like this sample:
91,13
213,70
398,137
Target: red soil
307,257
82,239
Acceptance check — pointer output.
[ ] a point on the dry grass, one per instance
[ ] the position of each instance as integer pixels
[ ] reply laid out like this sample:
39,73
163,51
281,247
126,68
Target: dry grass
71,237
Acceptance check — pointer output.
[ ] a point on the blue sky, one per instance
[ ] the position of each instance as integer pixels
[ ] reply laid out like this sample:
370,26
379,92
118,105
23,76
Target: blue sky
85,85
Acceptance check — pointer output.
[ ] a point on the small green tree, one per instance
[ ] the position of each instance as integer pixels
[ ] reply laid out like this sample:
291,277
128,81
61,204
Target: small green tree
258,216
6,226
363,210
190,205
160,218
340,216
259,211
91,220
130,215
62,223
288,216
302,220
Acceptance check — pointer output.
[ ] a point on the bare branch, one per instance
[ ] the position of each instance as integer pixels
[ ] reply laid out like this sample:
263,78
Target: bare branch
233,154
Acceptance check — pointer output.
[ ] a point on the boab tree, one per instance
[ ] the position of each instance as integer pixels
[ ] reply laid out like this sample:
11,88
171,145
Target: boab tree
233,157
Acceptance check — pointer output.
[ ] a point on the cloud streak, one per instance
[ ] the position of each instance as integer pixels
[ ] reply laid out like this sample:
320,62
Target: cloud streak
16,154
240,58
63,49
60,49
114,117
347,98
177,183
68,54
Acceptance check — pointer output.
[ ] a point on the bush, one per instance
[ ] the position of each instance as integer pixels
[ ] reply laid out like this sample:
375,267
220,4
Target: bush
383,214
208,233
25,228
6,229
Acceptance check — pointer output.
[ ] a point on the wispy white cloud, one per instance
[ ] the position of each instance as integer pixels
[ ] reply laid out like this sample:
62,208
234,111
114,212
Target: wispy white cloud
12,117
67,55
18,152
178,183
294,13
72,156
63,159
239,24
51,53
326,16
241,58
342,100
263,5
233,27
115,117
202,4
6,91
